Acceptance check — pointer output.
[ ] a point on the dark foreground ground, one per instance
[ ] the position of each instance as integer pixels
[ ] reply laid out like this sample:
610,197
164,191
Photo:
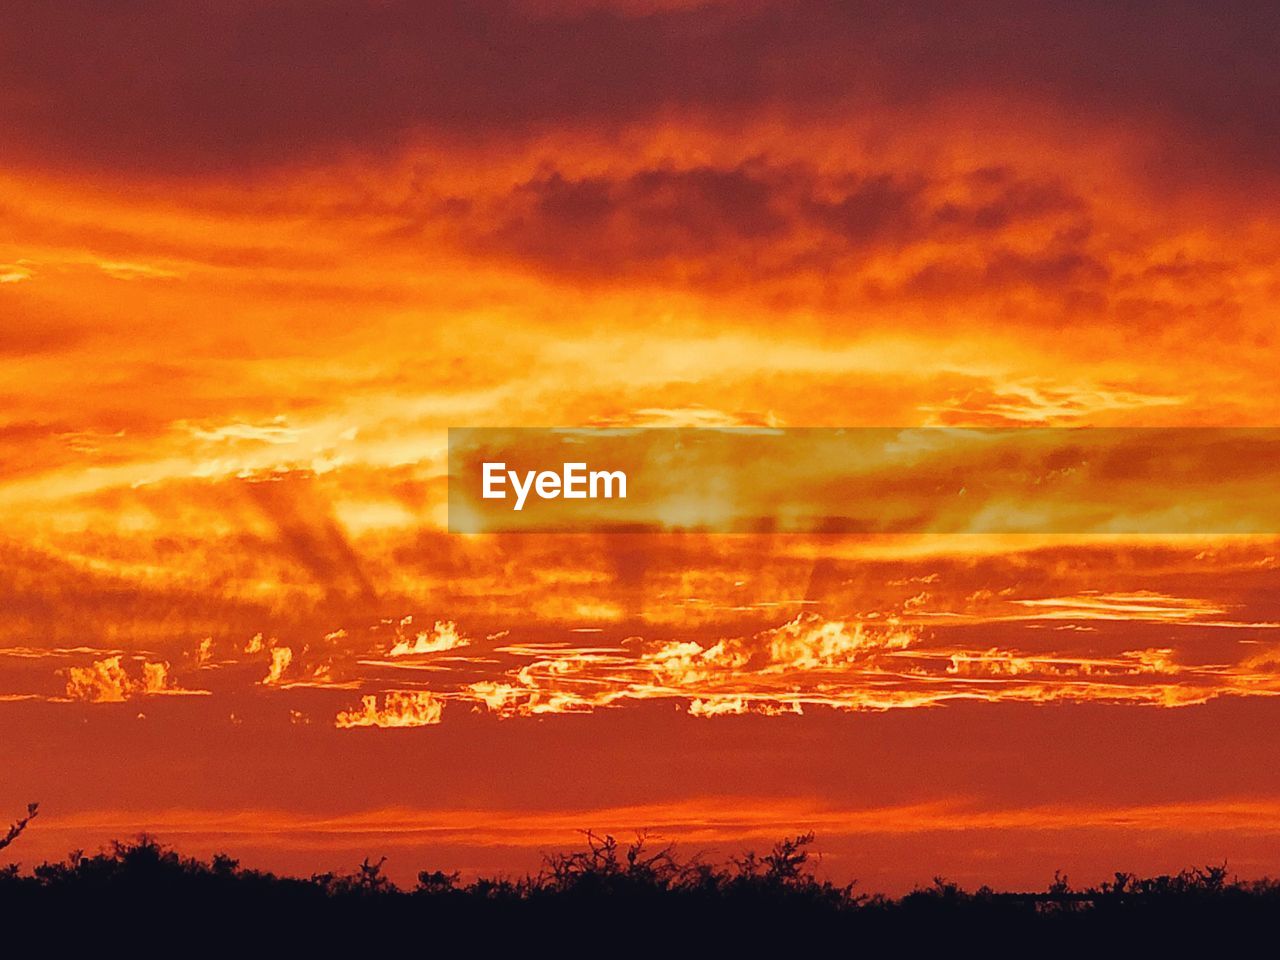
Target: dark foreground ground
607,899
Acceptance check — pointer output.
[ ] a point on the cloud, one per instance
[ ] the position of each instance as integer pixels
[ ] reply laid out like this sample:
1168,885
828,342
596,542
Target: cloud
693,416
109,681
1140,605
1015,404
281,657
443,636
196,91
875,663
400,708
763,219
309,533
15,272
711,818
606,225
119,270
728,635
275,432
808,660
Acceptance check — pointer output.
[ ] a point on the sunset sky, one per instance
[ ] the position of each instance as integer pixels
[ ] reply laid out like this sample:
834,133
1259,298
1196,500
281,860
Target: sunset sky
257,257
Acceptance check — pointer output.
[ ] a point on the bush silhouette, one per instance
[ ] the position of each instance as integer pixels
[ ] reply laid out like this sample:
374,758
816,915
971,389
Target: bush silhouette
629,899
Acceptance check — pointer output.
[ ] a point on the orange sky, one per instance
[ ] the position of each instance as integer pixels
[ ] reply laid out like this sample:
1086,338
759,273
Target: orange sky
255,259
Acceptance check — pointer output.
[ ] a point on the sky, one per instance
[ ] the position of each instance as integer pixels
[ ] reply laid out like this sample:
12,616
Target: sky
257,258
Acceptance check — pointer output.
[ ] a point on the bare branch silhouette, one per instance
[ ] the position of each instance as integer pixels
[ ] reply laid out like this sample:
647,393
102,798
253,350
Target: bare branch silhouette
16,828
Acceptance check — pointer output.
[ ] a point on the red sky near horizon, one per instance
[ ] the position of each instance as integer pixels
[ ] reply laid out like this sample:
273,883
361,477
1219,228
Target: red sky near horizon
257,258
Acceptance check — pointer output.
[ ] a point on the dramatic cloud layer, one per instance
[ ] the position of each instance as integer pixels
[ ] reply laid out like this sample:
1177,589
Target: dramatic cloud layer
227,84
257,258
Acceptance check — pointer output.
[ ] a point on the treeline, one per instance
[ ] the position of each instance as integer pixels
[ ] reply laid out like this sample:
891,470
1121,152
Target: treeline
610,898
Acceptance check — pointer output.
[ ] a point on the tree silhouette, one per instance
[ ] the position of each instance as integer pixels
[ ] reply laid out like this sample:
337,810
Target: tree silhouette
630,896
